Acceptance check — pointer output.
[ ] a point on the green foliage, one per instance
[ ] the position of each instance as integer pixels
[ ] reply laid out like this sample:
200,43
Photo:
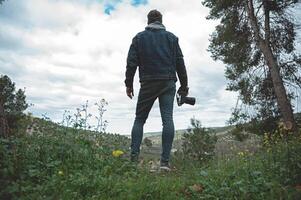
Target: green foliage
147,142
61,164
233,42
14,102
267,175
244,125
240,133
198,143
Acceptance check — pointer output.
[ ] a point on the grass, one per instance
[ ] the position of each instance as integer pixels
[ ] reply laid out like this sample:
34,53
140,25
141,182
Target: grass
68,164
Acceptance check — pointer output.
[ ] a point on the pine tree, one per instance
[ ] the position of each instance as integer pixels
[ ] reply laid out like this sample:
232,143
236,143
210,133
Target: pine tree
256,41
12,105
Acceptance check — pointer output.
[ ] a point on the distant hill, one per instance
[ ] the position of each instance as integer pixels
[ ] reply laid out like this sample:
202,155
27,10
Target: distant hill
156,136
218,130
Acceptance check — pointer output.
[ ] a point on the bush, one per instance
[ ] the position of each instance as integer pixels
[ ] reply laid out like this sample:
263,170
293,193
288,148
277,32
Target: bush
198,142
239,133
147,142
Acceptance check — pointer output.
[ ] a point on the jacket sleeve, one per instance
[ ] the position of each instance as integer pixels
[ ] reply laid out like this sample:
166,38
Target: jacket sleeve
132,63
180,66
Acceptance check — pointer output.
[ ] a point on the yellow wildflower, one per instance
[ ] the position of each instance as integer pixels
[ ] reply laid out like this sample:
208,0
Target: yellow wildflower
61,173
117,153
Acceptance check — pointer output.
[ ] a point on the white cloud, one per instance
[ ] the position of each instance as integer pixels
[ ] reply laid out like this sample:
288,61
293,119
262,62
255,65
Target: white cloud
66,52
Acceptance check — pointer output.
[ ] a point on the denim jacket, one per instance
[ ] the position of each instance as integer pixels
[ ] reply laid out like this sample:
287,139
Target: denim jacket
158,55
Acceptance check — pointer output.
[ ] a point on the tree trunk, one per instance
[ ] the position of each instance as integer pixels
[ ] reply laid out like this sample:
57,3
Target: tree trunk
283,103
3,121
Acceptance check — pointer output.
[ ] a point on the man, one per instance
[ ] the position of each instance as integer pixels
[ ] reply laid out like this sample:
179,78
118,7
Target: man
159,57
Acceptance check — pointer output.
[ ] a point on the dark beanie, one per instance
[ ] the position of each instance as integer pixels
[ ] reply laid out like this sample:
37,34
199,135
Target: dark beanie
153,16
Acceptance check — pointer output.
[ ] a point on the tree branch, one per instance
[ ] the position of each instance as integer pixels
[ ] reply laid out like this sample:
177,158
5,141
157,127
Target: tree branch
266,21
253,20
258,9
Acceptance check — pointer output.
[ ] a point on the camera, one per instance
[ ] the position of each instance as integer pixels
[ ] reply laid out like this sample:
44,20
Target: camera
183,98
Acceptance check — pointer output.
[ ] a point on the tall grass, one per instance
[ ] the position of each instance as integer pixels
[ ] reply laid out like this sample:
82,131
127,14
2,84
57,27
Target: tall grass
64,164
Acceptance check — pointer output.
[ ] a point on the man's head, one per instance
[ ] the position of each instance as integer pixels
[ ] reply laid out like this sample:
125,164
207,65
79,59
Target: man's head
154,16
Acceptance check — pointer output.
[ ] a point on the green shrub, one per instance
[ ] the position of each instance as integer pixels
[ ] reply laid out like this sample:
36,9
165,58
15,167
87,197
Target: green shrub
269,174
198,143
239,133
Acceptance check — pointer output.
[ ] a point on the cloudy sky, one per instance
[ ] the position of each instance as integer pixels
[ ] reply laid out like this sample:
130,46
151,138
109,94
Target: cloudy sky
65,52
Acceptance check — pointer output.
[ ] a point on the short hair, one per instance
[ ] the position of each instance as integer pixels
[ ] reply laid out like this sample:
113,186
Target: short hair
153,16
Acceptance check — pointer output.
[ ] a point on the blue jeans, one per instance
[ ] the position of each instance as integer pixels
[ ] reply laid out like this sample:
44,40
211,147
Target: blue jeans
165,91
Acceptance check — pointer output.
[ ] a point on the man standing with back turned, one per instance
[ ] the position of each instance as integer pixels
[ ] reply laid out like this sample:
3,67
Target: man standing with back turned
159,57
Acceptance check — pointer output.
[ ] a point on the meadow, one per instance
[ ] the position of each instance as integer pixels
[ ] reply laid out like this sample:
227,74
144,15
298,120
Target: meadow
57,162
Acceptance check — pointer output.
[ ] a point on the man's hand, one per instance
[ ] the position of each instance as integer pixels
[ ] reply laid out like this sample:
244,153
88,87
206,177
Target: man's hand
130,92
183,91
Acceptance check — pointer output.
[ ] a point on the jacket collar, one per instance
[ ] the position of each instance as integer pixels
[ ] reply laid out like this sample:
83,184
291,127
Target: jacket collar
155,26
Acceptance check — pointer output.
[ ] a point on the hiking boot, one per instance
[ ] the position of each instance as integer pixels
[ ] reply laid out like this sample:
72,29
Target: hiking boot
164,166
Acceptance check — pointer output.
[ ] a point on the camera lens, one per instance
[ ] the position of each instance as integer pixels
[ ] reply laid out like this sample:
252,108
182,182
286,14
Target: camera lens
190,100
